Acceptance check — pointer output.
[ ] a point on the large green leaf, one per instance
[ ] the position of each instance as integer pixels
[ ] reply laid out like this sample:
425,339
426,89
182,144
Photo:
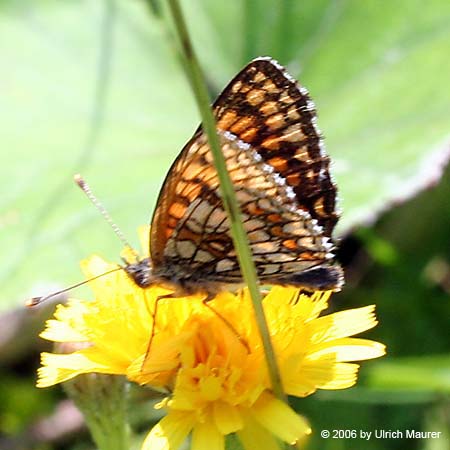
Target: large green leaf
378,72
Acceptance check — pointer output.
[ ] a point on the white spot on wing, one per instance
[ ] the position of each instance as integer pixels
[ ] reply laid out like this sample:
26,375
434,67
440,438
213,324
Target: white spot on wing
270,268
264,247
202,256
224,264
186,249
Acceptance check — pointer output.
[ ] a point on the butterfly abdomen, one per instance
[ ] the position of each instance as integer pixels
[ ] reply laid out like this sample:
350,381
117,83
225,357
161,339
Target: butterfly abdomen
328,277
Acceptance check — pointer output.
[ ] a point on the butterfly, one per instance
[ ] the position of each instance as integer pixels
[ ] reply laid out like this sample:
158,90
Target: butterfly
275,157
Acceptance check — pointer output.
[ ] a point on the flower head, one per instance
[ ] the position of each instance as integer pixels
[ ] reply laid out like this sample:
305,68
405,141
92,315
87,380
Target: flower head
209,356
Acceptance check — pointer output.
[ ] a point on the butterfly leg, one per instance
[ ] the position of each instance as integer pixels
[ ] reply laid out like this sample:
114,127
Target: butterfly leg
225,321
153,315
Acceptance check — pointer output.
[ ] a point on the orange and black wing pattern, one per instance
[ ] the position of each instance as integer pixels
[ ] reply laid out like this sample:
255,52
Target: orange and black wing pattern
266,108
288,228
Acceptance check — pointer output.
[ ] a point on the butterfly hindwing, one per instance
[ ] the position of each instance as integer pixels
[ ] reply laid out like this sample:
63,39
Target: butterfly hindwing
283,239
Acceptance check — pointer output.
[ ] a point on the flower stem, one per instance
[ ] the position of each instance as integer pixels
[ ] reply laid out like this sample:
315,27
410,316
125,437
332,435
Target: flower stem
240,239
103,401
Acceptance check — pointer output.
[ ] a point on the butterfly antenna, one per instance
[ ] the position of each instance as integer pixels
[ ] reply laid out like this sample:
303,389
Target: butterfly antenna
96,202
38,300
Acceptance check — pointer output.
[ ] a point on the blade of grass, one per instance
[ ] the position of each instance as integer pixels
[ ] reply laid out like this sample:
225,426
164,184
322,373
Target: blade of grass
284,30
251,10
240,240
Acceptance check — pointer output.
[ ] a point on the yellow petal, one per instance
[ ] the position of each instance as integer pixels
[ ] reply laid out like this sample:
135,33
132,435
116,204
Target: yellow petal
50,375
170,432
129,255
94,266
349,349
57,368
227,417
210,388
280,419
58,331
159,364
311,306
68,324
110,361
344,376
304,379
255,437
342,324
206,436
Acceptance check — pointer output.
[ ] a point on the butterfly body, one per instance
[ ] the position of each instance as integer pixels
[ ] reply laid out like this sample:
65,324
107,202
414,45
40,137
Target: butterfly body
276,161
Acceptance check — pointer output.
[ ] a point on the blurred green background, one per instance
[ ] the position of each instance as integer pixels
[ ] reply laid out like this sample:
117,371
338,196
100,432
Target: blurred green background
95,87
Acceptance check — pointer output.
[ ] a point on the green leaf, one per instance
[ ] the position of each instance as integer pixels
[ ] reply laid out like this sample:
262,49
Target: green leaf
377,73
54,52
430,374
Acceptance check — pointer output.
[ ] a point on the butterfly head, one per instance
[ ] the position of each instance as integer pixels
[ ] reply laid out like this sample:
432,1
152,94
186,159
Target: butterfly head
140,272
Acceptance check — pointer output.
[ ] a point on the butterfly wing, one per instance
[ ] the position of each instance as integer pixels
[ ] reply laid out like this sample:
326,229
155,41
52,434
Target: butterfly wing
190,238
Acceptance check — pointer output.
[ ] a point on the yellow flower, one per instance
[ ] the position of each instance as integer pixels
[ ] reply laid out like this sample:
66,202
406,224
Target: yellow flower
210,358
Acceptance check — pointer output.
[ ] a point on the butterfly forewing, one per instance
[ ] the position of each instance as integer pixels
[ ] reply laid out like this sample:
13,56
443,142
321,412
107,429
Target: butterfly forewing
280,173
265,107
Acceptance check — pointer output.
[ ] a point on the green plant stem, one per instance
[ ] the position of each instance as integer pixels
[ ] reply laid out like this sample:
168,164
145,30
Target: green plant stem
103,401
228,194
